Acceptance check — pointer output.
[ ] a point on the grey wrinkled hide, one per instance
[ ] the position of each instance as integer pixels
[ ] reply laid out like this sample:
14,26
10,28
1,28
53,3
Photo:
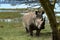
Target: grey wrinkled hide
33,21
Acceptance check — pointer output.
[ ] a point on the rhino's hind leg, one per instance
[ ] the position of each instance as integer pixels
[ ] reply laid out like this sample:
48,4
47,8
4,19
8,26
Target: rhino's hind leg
31,31
27,30
31,26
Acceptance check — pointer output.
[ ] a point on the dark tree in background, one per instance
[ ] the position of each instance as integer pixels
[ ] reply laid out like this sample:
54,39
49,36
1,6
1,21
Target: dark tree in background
49,8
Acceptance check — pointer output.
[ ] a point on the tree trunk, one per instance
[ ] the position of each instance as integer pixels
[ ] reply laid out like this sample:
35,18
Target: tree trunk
59,31
51,16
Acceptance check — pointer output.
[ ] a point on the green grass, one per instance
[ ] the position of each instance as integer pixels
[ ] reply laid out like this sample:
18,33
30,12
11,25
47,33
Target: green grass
15,31
58,18
6,15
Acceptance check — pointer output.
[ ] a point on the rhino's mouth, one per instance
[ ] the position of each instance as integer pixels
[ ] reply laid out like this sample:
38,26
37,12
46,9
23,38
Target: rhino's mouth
39,24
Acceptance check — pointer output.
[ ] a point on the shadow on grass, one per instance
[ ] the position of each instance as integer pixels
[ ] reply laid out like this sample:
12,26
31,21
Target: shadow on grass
1,38
47,34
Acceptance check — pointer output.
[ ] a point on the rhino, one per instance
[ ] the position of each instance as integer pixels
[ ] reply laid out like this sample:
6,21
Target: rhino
34,21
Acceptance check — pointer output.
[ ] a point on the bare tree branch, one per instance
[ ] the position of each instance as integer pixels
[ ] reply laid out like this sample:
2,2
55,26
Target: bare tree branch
53,4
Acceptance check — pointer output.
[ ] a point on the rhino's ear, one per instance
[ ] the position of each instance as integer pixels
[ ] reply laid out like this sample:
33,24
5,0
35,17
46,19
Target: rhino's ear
36,12
42,12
